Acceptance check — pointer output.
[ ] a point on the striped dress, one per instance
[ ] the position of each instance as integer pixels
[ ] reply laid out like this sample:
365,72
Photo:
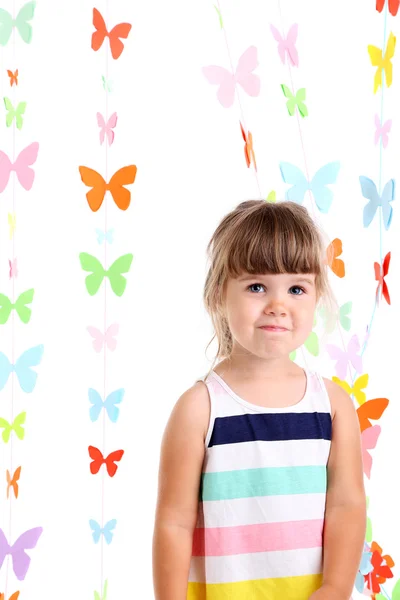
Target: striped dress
259,533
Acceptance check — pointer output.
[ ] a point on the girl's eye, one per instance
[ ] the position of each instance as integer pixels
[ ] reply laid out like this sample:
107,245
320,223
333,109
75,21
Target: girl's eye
255,285
296,287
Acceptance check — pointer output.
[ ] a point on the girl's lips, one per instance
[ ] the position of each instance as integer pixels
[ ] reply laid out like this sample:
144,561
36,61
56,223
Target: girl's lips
273,328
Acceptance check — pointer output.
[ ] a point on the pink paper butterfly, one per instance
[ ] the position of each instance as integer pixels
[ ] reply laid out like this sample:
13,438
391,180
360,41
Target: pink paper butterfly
369,438
13,268
243,75
100,338
287,45
382,131
21,167
344,358
106,129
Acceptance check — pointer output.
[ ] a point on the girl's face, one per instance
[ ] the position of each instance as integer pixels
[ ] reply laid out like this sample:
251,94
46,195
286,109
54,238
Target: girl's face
253,302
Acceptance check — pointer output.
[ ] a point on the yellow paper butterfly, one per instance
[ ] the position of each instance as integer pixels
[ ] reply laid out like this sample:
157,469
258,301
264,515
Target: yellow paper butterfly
356,391
382,62
12,223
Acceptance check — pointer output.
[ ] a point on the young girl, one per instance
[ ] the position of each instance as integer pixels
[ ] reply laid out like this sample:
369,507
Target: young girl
261,493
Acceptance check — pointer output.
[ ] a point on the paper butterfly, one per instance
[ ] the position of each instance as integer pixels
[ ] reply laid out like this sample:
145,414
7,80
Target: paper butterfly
100,338
114,273
105,236
372,409
287,45
344,320
382,131
103,596
23,311
393,6
355,390
382,62
14,113
365,568
16,426
369,191
336,264
107,84
297,100
380,275
13,268
323,196
248,148
22,368
369,439
121,196
311,344
7,23
243,75
106,129
119,31
13,77
20,560
24,173
98,460
13,482
107,531
14,596
344,358
219,17
271,196
12,224
109,404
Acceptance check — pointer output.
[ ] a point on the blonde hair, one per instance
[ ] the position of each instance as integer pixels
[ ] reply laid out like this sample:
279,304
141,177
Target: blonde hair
261,237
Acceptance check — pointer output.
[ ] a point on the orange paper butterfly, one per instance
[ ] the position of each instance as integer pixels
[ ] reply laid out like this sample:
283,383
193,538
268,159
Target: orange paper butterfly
380,275
372,409
13,482
248,148
98,460
13,77
334,250
15,596
119,31
393,6
121,196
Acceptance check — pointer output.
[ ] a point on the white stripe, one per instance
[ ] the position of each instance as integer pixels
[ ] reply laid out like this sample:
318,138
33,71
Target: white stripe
261,509
257,565
261,454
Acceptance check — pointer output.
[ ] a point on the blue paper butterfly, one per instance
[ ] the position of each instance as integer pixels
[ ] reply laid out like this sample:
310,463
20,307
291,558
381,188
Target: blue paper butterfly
364,569
107,531
370,192
109,403
105,235
22,368
323,196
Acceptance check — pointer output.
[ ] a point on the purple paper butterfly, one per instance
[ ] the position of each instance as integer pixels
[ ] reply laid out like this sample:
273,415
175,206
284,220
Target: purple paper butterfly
20,560
343,358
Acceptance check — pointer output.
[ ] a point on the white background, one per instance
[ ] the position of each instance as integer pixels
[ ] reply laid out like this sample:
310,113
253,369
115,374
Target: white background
191,172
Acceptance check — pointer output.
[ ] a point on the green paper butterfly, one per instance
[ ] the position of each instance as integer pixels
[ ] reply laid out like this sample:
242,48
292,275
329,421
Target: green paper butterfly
311,343
7,23
14,113
297,100
103,595
343,317
271,196
15,426
23,311
219,17
114,273
107,85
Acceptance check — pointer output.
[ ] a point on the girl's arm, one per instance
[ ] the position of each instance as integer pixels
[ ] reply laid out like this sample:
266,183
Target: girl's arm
345,515
181,461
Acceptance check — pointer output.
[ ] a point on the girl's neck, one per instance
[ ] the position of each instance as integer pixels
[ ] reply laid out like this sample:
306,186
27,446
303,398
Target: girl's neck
247,366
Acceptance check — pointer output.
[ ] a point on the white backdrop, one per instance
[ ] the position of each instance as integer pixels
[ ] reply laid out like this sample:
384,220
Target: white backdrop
191,170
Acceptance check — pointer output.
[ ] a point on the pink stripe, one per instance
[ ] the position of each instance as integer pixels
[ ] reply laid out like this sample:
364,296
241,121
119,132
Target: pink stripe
244,539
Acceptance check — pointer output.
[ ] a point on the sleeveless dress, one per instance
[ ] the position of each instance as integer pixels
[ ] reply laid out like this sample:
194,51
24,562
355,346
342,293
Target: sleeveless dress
259,532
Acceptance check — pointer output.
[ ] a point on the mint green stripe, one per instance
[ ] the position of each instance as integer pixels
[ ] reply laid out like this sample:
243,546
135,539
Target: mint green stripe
271,481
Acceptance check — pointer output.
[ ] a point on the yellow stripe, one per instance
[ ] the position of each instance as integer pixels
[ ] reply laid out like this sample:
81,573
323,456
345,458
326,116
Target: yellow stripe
281,588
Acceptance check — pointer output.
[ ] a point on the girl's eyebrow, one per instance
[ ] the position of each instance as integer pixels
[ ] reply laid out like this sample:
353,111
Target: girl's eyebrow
297,278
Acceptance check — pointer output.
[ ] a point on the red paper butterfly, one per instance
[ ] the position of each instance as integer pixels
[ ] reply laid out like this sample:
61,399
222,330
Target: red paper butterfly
380,275
119,31
13,77
98,460
393,6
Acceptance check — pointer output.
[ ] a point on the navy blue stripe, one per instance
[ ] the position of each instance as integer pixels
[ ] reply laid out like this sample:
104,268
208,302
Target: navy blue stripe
271,427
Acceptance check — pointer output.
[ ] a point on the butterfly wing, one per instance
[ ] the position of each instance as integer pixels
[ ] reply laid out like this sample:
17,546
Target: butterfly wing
369,191
244,75
27,157
326,175
394,7
291,45
101,30
96,530
293,175
353,349
112,122
98,338
91,263
372,409
97,404
108,530
6,26
5,170
369,439
110,403
341,360
119,31
111,332
21,560
92,179
117,280
21,22
102,124
226,82
5,370
110,461
124,176
344,319
388,197
23,368
97,459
